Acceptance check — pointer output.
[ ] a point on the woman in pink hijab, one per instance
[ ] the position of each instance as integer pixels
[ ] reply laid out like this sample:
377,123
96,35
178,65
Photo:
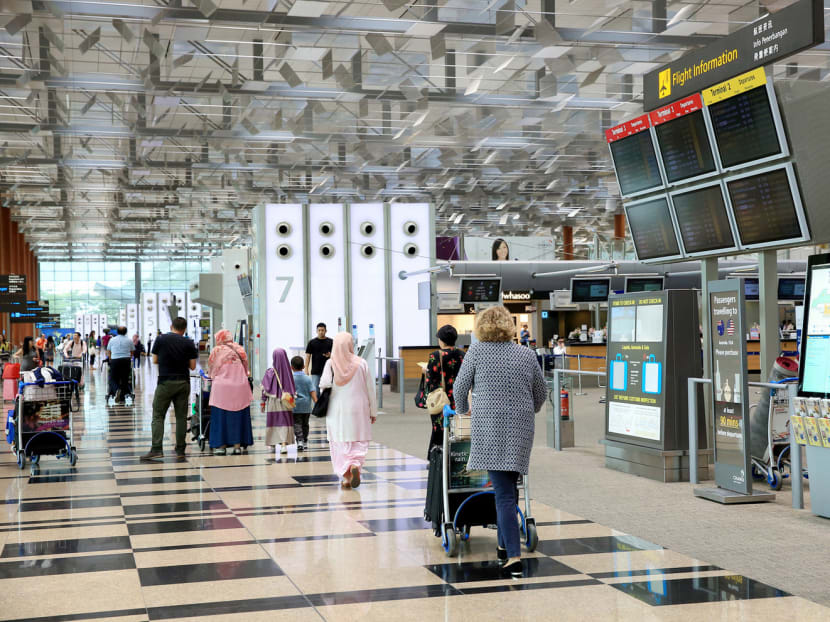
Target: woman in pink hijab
230,397
352,409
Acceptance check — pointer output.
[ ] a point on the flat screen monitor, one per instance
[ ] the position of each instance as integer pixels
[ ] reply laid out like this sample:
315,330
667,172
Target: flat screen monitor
635,160
703,220
751,289
683,140
746,128
480,290
590,290
767,207
791,288
652,229
643,284
814,370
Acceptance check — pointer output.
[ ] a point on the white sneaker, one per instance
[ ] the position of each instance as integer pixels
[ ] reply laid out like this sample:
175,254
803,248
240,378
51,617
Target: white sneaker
300,446
283,449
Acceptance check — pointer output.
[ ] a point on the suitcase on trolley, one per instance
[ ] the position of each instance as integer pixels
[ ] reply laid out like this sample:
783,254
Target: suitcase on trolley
71,372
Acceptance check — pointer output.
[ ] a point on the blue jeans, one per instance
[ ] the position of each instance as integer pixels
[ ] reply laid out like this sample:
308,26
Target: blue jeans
507,497
315,382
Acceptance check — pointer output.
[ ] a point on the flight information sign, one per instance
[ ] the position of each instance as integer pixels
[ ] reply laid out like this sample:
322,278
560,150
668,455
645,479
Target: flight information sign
703,220
743,122
683,139
635,160
652,229
766,207
12,288
480,290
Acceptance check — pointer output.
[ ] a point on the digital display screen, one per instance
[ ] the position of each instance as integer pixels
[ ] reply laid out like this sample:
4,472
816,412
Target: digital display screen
815,355
652,229
752,289
590,290
764,207
684,147
645,284
480,290
791,289
744,127
636,163
703,220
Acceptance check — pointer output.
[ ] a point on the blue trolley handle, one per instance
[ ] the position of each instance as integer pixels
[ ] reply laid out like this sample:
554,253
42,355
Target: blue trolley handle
448,413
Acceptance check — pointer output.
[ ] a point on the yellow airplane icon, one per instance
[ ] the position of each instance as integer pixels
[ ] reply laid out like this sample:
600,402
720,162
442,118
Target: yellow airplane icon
664,83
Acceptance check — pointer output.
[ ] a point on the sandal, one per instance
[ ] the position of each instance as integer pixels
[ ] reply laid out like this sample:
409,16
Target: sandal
355,471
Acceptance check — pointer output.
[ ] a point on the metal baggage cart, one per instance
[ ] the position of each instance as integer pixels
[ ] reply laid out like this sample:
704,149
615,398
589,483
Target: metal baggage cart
774,465
468,497
41,422
200,413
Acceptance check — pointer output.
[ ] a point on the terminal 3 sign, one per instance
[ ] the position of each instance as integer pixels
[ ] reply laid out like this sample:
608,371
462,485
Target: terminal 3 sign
766,40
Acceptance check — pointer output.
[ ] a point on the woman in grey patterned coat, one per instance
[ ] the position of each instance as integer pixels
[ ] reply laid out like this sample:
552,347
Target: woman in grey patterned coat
508,389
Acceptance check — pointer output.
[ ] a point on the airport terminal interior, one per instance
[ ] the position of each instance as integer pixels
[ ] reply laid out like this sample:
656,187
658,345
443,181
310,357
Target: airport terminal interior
249,249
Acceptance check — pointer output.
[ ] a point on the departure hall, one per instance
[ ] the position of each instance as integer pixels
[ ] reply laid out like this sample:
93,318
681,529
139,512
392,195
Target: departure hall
441,310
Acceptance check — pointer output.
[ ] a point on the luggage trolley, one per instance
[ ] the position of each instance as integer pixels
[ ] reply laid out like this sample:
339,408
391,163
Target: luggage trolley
72,369
41,422
200,414
468,497
772,465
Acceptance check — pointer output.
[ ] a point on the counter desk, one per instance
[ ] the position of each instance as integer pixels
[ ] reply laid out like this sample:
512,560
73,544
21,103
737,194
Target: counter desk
788,349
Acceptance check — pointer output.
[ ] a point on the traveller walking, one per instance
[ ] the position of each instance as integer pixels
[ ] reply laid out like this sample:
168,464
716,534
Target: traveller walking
92,348
27,355
441,372
507,390
40,344
352,409
230,397
306,398
279,421
317,352
138,352
74,349
119,351
49,351
176,358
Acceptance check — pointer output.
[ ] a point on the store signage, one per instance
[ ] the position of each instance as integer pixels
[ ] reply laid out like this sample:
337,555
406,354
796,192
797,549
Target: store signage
12,288
513,296
764,41
629,128
676,110
729,385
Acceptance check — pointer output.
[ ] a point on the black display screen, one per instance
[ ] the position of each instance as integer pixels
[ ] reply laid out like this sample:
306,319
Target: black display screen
643,284
764,207
590,290
752,289
702,220
684,147
636,163
744,127
480,290
790,288
652,229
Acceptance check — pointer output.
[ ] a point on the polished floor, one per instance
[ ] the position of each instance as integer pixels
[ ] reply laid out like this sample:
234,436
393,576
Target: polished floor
264,537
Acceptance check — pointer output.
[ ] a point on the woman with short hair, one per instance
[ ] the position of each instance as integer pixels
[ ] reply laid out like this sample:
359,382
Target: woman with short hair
441,371
508,389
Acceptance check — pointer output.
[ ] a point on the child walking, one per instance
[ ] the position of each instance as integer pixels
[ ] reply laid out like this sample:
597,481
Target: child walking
279,423
306,398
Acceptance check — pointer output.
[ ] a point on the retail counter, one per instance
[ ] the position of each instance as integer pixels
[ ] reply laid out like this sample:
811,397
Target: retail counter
412,355
788,348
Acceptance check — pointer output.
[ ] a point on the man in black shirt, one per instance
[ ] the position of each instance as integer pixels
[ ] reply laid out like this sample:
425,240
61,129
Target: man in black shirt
175,356
317,352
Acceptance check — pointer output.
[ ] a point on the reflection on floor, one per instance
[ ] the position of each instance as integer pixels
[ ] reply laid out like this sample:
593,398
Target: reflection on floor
259,537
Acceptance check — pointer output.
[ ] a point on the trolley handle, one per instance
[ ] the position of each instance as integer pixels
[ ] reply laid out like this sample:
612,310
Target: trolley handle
448,414
203,374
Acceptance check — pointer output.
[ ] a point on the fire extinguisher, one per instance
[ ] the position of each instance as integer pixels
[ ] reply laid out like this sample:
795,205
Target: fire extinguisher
564,405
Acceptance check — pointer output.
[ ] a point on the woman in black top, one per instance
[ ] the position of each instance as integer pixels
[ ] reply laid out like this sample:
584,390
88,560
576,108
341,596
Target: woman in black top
450,361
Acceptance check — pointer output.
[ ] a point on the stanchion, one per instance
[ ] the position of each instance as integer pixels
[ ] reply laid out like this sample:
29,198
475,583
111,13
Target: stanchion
557,412
401,385
579,379
380,380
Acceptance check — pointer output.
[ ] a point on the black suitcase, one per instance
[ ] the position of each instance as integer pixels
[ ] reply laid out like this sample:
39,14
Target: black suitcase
434,506
71,372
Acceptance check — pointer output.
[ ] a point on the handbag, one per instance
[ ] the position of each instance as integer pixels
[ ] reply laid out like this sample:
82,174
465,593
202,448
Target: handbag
321,407
437,399
250,380
420,395
287,400
11,371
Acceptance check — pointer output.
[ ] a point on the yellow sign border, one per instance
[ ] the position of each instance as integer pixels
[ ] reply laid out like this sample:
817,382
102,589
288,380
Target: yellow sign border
734,86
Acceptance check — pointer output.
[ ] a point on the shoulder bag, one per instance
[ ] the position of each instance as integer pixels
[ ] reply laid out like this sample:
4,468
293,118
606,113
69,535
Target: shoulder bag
321,406
250,380
437,399
287,400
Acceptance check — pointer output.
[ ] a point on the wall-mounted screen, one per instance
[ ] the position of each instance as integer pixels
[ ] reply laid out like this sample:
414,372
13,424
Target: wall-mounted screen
683,139
752,289
590,290
482,290
652,229
703,220
791,288
767,207
814,370
746,128
635,160
643,284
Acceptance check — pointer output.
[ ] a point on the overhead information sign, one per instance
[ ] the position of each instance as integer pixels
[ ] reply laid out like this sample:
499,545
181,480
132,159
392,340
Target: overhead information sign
12,288
735,86
766,40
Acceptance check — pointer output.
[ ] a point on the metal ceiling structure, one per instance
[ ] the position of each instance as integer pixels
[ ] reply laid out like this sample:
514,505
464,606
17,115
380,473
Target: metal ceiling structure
150,128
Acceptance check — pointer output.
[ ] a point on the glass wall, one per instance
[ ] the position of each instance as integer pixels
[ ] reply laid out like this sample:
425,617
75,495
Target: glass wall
106,287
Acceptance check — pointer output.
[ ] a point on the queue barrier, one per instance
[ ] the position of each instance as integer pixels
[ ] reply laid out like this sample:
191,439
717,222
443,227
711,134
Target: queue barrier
401,380
556,441
578,358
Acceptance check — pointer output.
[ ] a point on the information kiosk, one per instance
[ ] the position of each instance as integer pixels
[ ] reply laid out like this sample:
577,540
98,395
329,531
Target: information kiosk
653,346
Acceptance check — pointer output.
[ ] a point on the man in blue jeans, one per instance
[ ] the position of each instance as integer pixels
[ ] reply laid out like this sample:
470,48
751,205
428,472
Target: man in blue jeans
317,352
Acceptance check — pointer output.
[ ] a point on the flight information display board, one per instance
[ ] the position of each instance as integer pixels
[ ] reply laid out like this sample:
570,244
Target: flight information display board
683,139
814,371
635,160
636,284
652,229
752,289
480,291
767,207
703,220
590,290
791,288
745,127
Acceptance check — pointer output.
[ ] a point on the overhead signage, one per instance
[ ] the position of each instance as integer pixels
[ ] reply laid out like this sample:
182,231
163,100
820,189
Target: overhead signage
629,128
729,386
510,295
766,40
734,86
676,110
12,288
32,311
